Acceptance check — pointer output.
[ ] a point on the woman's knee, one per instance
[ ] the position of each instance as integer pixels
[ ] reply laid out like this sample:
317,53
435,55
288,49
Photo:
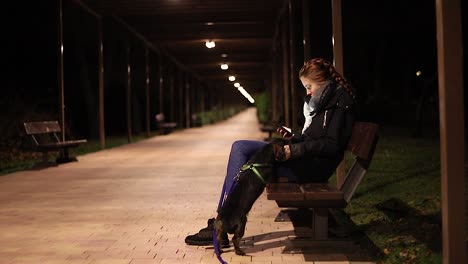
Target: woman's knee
238,145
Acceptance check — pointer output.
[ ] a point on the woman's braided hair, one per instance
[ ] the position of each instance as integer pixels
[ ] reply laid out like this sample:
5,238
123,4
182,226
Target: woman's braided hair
319,70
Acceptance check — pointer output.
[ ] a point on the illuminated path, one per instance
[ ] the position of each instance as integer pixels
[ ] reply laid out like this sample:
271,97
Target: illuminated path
135,204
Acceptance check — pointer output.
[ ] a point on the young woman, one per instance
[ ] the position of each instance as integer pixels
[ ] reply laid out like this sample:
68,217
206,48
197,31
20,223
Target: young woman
313,154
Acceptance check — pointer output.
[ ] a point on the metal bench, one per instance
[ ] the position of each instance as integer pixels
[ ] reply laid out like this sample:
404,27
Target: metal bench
320,197
45,140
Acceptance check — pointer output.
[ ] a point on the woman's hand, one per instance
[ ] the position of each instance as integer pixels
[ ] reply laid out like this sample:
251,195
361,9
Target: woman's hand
284,133
287,152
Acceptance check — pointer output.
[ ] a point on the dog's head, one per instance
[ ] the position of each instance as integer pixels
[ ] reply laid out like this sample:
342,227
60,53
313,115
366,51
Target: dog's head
278,148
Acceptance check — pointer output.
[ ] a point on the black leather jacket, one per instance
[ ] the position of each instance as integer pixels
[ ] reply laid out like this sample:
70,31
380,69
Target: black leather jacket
316,153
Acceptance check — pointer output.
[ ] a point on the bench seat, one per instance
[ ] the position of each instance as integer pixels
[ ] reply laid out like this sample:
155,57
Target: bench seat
310,195
60,145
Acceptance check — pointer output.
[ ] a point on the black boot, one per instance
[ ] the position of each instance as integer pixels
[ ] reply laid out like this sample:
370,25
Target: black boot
204,237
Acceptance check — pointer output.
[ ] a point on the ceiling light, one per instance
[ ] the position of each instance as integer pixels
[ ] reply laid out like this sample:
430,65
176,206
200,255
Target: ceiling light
232,78
224,66
210,44
246,94
236,84
224,55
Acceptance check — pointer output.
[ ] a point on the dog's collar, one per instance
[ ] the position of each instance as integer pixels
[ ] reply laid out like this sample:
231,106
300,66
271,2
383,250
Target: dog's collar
254,167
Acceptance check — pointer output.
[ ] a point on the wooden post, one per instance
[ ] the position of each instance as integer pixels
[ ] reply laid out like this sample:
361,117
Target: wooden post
274,85
180,105
187,101
60,67
285,62
451,114
161,85
306,28
102,133
292,66
337,39
147,92
129,95
171,94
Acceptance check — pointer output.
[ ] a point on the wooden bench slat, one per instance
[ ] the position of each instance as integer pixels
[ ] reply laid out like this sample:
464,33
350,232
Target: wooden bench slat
32,128
317,191
284,191
60,145
362,139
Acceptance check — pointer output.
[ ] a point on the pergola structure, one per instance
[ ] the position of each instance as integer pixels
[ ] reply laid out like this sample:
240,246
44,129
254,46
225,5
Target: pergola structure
259,43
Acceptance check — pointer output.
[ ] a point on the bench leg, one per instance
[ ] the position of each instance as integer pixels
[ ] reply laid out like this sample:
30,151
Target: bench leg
64,157
45,157
320,223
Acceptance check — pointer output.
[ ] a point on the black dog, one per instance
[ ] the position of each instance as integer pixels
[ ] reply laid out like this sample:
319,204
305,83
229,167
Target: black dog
232,216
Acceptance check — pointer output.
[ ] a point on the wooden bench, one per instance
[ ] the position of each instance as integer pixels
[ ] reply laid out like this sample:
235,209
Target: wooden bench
320,197
45,140
163,126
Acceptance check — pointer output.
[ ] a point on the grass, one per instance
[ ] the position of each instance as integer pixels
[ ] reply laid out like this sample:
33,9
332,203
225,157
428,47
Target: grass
397,205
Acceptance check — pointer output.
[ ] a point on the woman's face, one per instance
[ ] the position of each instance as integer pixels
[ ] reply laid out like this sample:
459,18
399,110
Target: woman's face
310,85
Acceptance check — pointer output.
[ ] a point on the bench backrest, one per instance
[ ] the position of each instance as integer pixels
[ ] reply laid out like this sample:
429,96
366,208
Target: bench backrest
44,127
33,128
362,145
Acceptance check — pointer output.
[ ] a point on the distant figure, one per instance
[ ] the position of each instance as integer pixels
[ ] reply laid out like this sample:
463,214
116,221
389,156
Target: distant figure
314,153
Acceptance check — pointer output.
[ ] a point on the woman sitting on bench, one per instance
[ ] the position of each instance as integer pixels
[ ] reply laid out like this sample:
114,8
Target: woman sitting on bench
313,154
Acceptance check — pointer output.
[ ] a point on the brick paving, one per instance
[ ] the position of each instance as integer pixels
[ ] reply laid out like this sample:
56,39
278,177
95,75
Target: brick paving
135,204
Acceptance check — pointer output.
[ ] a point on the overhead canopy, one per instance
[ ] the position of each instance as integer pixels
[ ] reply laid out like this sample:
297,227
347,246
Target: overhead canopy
243,30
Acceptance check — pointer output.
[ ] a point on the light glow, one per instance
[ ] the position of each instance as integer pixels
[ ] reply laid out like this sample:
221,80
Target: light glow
232,78
210,44
246,94
224,66
236,84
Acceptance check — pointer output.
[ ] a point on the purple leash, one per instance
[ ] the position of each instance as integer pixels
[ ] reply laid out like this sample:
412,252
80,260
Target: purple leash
215,236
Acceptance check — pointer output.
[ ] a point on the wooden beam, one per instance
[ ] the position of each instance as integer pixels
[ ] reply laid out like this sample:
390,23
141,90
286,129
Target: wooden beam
87,9
337,37
451,114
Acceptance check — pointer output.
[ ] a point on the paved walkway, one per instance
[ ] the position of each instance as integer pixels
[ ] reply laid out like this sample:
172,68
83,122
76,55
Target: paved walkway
135,204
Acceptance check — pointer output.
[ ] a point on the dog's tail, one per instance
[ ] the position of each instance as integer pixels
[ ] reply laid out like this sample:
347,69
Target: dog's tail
216,247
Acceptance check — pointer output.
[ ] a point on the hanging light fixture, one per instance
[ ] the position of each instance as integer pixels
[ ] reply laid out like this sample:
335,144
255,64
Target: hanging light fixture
236,84
232,78
224,66
210,44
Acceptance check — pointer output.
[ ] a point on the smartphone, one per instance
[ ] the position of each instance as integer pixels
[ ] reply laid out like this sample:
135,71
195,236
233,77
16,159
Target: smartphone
286,130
